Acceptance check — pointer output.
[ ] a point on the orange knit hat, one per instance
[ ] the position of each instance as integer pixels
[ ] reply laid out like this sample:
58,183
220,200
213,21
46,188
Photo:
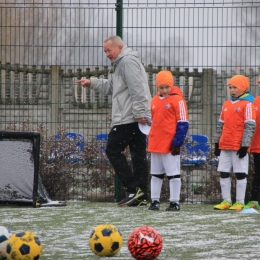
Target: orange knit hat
240,81
164,77
258,79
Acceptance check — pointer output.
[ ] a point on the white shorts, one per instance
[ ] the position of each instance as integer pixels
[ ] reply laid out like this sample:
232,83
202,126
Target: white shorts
165,163
229,160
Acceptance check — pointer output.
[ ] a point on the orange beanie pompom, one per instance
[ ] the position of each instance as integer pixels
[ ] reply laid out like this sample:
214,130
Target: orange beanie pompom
164,77
240,81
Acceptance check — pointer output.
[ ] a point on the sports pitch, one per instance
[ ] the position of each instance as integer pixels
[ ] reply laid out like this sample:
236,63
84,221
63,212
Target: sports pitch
195,232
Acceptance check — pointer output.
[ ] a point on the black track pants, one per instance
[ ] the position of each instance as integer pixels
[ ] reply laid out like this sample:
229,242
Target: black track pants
119,138
255,190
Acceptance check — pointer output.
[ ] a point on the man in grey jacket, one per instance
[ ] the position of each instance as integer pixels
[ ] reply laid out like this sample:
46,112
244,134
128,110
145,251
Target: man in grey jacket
130,105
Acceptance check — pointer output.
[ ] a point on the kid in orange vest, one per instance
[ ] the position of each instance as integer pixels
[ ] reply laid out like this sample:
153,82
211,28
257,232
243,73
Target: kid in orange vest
235,129
255,150
167,134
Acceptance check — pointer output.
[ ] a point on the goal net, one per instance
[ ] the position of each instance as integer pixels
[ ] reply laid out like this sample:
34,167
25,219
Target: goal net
20,181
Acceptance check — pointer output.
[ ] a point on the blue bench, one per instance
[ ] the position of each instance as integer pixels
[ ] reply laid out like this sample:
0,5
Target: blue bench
195,150
194,155
79,140
102,139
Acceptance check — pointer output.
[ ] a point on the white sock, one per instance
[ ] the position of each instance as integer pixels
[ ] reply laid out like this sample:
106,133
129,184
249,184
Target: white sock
225,184
156,186
241,190
175,189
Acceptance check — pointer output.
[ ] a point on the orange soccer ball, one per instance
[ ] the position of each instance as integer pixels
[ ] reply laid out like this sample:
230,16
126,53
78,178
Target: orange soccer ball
145,243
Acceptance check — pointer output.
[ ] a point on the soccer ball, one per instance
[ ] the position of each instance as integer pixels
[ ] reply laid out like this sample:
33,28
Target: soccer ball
105,240
23,245
5,233
145,243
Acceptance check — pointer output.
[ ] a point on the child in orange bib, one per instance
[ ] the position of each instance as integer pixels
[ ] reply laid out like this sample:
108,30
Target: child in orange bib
235,129
167,134
255,150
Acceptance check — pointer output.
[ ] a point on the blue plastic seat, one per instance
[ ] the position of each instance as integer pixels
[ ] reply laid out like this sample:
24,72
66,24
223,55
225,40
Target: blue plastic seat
78,138
102,138
195,150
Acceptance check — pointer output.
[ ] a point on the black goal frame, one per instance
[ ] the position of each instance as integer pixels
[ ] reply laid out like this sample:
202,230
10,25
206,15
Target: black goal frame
35,138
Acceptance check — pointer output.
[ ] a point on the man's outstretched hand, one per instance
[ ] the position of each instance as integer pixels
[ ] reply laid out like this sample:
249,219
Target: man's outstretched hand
84,82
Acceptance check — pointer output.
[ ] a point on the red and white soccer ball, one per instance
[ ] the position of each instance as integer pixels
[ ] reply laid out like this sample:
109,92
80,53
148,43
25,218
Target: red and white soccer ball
145,243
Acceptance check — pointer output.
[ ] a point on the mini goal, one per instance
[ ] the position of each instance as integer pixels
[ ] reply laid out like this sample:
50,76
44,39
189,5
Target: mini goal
20,181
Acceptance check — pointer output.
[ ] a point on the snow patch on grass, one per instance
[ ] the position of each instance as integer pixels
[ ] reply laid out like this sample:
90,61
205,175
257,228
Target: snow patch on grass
196,232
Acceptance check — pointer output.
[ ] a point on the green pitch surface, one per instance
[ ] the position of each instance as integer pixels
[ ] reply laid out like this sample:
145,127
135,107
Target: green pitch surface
196,232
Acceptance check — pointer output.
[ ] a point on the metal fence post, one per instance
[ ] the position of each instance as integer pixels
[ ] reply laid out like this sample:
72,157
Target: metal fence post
119,32
54,98
207,89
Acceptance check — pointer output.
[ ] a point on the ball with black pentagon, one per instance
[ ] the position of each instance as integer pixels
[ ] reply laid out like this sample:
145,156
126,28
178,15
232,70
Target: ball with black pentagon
23,245
105,240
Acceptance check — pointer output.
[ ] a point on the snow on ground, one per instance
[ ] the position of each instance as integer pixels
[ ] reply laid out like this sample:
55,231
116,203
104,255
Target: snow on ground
196,232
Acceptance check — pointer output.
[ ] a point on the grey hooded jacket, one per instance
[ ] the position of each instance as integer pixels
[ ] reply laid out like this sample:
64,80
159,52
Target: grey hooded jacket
129,88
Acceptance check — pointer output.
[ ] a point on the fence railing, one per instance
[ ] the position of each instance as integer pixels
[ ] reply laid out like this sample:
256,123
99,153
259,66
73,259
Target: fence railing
203,90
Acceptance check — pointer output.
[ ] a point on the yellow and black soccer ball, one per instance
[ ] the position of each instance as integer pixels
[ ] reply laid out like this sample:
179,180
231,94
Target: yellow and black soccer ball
105,240
23,245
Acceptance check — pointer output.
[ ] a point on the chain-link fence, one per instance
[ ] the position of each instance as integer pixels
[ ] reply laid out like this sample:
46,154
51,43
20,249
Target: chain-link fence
46,46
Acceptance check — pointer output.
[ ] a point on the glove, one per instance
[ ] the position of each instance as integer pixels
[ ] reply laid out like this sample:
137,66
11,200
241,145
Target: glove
242,151
217,150
175,150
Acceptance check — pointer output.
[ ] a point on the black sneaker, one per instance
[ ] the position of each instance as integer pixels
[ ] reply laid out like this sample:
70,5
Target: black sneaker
131,197
137,202
173,207
155,205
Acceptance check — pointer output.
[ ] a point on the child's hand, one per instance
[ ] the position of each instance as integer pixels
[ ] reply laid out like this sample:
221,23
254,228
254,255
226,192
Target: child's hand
175,150
242,152
217,150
